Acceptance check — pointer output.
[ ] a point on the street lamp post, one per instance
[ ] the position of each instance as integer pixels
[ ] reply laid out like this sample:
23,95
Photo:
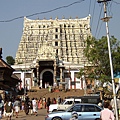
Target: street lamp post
106,19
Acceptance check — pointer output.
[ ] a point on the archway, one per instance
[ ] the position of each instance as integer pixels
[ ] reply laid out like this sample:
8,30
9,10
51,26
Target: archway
47,78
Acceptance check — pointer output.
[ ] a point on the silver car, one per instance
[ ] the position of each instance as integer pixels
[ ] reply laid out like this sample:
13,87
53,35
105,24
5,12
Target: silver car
85,111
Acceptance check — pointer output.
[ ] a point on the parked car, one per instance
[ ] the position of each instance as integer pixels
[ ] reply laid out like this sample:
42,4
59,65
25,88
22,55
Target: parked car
85,111
64,105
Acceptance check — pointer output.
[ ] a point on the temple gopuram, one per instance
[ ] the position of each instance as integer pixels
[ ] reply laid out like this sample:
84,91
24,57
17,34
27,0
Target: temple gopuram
50,52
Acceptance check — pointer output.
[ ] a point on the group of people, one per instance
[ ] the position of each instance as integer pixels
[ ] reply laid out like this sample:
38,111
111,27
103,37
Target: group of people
109,112
12,107
45,103
9,107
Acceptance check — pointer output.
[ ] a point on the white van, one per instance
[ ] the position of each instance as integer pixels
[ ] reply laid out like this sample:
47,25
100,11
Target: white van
64,105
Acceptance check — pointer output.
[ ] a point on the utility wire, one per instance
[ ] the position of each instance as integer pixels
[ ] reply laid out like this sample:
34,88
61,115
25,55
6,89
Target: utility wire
98,21
89,7
99,29
65,6
109,9
93,13
115,2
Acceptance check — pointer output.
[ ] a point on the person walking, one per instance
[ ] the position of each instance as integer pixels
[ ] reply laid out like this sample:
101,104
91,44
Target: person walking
59,100
54,101
113,106
30,107
9,109
40,103
16,106
26,107
48,104
35,106
44,102
74,116
106,113
23,106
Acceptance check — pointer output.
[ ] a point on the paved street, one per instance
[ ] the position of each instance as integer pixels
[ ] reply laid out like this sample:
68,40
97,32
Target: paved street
22,116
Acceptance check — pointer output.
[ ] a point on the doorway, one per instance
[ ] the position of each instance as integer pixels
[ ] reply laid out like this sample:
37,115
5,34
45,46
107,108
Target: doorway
47,79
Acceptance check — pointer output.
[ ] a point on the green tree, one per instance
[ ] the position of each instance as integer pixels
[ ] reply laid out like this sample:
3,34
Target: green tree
10,60
97,54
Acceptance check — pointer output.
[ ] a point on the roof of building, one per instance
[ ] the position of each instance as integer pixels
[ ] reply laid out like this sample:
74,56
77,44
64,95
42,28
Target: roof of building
4,64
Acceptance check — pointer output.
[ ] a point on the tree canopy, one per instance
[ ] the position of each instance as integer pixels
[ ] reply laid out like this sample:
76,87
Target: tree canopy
97,53
10,60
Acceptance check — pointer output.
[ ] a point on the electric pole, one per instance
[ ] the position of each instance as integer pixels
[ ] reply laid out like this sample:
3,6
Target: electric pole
106,19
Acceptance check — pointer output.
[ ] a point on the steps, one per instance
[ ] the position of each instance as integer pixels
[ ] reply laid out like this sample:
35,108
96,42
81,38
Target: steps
45,93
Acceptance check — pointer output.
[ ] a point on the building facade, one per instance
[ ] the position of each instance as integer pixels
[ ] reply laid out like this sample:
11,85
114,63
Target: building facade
52,50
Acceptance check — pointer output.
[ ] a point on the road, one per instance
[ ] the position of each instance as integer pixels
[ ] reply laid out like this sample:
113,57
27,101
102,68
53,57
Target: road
22,116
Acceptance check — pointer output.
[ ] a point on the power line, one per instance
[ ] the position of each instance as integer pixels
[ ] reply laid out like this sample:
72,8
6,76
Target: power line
109,9
65,6
89,7
99,29
93,13
115,2
98,21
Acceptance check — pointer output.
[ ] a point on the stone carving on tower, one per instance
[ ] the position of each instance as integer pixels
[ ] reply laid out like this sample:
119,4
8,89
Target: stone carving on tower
46,52
45,38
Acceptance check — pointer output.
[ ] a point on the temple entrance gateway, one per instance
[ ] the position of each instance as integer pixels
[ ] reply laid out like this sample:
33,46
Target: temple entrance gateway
47,79
49,50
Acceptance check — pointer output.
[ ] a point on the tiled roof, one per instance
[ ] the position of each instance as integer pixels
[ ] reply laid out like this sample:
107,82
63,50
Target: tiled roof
4,64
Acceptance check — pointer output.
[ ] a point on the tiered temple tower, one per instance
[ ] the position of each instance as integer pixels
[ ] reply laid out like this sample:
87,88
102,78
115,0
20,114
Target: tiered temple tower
49,45
64,37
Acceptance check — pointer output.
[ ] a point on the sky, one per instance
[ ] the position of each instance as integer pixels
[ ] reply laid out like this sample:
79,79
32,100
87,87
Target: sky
12,14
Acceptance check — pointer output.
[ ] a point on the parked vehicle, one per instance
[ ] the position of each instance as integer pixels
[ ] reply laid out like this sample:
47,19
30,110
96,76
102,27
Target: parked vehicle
85,111
88,98
64,105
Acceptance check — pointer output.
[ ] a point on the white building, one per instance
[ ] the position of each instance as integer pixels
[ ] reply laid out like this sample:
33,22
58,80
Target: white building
51,51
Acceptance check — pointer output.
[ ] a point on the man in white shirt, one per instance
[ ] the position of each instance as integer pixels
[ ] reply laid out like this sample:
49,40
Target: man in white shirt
35,106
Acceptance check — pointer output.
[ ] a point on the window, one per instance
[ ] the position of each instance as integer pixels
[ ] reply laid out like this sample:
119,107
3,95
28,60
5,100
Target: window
97,109
77,108
69,102
67,75
80,25
1,74
91,108
56,51
56,43
56,36
73,26
56,30
76,74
